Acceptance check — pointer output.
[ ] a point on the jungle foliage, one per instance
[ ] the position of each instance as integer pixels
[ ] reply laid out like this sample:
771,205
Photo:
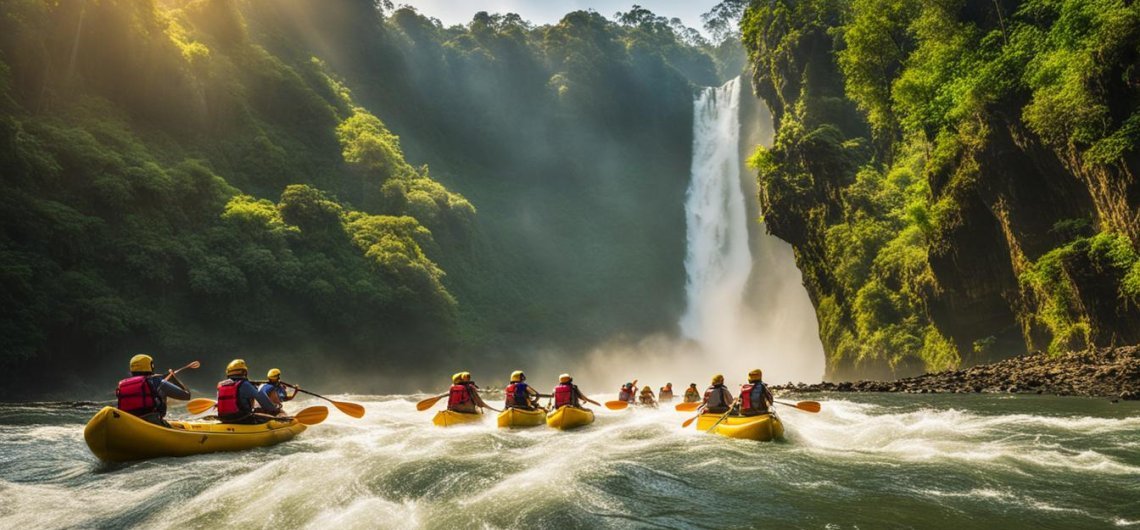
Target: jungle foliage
212,178
931,165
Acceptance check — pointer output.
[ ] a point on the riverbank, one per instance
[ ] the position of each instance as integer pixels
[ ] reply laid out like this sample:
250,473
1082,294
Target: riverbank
1108,372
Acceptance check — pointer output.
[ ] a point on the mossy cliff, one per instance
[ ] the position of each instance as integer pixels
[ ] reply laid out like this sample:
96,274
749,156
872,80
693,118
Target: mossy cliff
958,177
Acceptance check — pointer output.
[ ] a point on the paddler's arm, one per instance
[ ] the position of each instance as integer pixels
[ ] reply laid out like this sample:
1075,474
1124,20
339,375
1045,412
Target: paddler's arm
262,399
174,391
174,377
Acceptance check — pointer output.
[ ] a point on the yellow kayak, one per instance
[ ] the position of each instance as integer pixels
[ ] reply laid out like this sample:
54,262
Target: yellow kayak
116,436
569,417
447,418
512,417
763,428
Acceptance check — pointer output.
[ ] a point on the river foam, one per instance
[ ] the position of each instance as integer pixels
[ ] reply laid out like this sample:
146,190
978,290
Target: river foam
864,461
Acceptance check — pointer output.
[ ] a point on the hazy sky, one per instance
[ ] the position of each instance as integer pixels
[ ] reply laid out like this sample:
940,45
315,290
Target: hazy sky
550,11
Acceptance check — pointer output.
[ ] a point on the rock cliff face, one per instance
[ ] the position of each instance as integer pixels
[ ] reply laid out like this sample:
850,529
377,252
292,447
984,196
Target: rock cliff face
958,178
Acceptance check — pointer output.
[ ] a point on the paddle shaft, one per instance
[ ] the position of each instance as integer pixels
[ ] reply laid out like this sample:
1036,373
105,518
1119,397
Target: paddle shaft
729,411
193,364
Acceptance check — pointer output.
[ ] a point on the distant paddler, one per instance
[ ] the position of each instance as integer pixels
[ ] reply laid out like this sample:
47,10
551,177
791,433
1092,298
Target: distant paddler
646,398
717,399
567,394
692,395
626,393
464,395
237,395
144,393
276,391
666,394
520,395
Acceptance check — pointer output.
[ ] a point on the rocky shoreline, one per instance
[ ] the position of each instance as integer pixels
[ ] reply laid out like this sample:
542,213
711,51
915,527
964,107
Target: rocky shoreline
1108,372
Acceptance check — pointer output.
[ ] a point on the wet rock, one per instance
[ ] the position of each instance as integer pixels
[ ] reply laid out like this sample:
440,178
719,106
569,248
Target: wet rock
1109,372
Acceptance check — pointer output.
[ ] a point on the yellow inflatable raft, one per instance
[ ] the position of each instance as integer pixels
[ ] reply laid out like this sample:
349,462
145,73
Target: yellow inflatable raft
447,418
116,436
569,418
512,417
763,428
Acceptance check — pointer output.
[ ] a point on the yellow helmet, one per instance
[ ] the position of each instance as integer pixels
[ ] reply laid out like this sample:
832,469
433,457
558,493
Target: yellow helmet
237,367
565,378
755,375
456,378
465,376
517,376
274,373
647,389
142,363
718,379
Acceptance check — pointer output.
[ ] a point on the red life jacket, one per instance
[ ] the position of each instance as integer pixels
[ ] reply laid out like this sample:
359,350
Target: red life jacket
459,395
746,397
564,395
516,395
665,394
625,395
228,403
136,396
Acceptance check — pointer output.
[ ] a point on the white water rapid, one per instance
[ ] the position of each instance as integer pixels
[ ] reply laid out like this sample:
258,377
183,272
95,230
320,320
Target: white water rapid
745,309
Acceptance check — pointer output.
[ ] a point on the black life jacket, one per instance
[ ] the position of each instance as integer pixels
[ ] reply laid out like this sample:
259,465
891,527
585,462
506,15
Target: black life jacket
714,397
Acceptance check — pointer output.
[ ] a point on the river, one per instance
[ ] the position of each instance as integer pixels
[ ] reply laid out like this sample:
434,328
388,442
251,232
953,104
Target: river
865,461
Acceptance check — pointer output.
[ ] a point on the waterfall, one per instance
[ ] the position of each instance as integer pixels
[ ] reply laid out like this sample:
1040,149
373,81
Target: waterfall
717,260
746,306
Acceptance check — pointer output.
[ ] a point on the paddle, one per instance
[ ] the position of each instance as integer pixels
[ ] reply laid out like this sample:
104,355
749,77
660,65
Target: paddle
729,411
312,415
690,421
199,405
806,406
688,407
616,405
429,402
351,409
193,366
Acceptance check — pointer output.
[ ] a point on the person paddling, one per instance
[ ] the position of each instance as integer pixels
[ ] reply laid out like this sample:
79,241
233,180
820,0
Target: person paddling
519,394
276,391
237,395
567,394
755,397
692,395
717,397
646,398
626,393
144,393
464,394
666,393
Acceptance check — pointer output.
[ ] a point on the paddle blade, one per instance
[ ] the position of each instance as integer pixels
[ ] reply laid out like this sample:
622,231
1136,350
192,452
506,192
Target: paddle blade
616,405
199,405
194,365
312,415
351,409
690,421
687,407
808,406
428,403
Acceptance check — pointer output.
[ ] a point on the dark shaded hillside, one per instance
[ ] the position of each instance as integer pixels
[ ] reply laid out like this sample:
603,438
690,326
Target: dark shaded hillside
212,178
958,178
